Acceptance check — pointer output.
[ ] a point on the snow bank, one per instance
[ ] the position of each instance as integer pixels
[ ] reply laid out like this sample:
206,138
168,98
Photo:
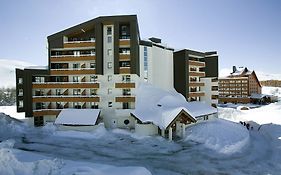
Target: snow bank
219,135
12,111
259,115
276,91
10,127
10,165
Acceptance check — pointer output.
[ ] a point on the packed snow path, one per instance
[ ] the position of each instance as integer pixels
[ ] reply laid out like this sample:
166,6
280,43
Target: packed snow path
159,156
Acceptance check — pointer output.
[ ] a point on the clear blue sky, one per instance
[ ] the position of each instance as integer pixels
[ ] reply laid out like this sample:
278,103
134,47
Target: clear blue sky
244,32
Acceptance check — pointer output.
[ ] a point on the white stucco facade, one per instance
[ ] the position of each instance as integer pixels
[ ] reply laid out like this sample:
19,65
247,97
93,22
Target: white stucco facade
210,89
160,70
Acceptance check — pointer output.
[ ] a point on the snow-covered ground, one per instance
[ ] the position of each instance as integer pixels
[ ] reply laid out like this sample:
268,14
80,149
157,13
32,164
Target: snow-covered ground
12,111
217,146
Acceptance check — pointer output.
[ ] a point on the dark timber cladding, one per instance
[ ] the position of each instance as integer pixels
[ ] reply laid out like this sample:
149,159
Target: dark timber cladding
27,75
96,28
181,79
211,64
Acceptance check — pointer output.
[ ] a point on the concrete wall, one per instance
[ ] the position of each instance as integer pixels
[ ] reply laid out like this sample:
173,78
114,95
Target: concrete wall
146,129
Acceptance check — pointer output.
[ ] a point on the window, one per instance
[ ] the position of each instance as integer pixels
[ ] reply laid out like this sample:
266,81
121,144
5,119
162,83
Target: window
20,80
124,64
40,106
193,89
110,104
92,65
126,78
109,65
58,92
93,78
59,105
38,121
109,91
215,88
125,32
39,92
20,103
20,92
76,91
93,91
109,52
126,122
75,79
40,79
109,77
193,69
124,50
76,53
109,39
145,62
126,105
193,79
77,105
76,65
94,105
126,92
109,30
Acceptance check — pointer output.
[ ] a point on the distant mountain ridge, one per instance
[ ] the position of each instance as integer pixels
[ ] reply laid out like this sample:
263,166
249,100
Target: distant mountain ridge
272,83
7,72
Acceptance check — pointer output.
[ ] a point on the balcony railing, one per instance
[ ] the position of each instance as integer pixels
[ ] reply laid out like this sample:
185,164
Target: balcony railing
66,85
82,41
81,55
67,98
196,94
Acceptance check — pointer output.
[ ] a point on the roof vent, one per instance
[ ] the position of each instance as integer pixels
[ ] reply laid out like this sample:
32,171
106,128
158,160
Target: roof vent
159,105
155,40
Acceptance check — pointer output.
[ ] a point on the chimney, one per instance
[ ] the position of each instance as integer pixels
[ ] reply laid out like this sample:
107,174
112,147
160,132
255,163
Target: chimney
234,69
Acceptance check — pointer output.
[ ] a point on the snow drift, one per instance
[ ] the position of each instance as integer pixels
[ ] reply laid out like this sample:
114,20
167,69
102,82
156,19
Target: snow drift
220,135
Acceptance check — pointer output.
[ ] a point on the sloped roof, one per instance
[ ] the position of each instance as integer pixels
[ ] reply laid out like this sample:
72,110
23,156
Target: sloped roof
93,22
240,71
81,117
161,107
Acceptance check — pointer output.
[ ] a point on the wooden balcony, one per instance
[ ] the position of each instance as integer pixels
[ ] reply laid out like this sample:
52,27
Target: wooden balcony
72,71
79,44
196,84
124,57
125,85
125,99
196,94
125,70
46,112
197,74
72,58
124,42
66,99
65,85
196,63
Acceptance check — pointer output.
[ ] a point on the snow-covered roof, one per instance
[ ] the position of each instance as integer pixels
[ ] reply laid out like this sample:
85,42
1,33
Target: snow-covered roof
161,107
37,67
78,117
241,71
259,96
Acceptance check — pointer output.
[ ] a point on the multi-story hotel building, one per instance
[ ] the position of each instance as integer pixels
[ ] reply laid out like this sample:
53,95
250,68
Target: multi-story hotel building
239,86
99,64
195,75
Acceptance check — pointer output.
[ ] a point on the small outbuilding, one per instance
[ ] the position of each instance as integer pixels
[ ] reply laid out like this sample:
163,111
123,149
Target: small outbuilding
166,113
78,119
